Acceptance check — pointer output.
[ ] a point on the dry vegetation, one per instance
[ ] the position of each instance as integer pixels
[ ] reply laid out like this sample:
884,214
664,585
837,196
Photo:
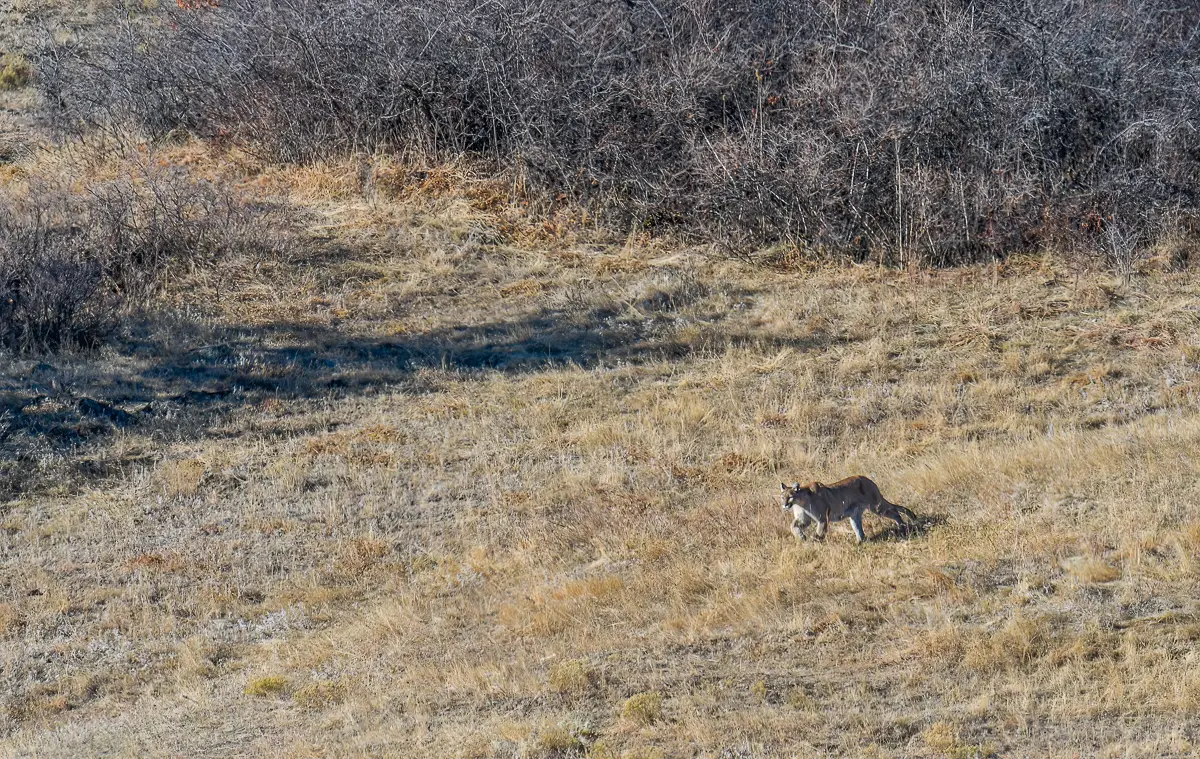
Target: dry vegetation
904,131
462,484
443,476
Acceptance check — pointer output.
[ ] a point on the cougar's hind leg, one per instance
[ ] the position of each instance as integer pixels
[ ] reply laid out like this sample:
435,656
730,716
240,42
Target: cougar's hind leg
896,512
892,512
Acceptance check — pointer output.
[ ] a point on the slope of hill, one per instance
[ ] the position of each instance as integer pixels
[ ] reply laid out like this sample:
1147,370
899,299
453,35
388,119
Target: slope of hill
431,475
437,484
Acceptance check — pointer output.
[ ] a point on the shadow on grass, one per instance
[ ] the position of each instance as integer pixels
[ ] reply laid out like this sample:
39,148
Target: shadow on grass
174,379
917,529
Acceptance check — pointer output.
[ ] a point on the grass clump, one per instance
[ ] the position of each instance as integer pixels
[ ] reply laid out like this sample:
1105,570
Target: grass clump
573,676
270,685
759,691
320,695
15,72
643,709
601,750
1019,642
181,478
944,738
1090,569
798,699
556,740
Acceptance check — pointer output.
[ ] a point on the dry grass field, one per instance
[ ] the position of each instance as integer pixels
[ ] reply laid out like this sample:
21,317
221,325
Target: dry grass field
438,480
441,476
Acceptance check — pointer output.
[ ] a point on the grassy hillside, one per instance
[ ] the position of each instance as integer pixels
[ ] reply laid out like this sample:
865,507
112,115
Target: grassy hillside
395,464
441,480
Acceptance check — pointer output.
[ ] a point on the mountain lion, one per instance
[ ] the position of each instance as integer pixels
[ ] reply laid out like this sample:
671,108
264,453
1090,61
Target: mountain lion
819,504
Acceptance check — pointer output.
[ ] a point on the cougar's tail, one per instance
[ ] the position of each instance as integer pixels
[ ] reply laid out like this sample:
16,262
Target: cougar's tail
893,508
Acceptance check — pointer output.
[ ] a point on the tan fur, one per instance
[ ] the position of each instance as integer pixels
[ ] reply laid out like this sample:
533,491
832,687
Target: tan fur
820,504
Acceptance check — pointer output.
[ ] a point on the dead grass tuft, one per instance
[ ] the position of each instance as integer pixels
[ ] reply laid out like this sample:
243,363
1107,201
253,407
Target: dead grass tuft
556,741
9,618
940,736
157,562
362,554
573,677
198,657
1090,569
321,694
183,478
1018,642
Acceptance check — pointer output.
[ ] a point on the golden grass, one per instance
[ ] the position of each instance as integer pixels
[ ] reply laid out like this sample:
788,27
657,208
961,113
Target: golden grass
537,516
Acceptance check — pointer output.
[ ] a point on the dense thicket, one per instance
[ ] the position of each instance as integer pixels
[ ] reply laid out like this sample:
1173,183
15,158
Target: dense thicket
915,130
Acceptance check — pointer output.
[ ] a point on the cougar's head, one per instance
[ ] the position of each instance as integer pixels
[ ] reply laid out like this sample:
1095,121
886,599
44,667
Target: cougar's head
791,494
797,495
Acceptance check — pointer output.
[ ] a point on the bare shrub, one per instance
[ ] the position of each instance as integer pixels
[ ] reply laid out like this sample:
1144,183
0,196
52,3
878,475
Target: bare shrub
911,131
1123,248
51,291
71,264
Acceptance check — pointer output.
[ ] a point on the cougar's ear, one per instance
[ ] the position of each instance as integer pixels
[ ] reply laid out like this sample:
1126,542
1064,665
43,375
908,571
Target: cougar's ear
796,486
783,487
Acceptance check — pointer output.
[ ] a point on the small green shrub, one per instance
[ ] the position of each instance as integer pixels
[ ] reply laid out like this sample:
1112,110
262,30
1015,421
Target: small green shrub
759,691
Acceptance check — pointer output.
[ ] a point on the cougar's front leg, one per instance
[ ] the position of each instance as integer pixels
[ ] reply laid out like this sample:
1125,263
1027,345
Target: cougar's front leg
800,523
856,523
822,528
798,529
